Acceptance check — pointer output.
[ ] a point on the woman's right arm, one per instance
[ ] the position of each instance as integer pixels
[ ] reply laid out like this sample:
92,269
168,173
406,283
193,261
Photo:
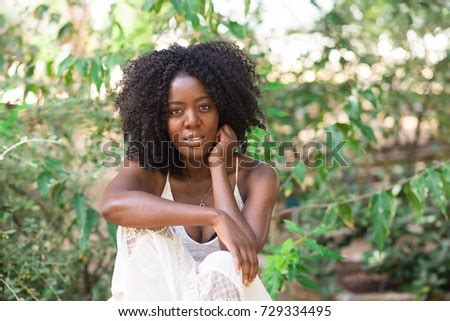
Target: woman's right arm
127,201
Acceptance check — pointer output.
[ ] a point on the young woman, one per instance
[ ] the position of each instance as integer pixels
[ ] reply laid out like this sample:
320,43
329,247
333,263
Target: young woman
193,210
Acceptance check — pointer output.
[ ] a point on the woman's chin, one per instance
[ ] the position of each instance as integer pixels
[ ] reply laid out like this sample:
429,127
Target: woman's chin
195,154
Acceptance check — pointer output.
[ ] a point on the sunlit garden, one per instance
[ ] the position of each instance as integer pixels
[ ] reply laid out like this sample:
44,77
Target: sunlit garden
357,101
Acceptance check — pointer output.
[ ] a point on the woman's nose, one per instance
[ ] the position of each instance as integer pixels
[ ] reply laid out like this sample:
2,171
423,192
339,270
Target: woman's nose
192,119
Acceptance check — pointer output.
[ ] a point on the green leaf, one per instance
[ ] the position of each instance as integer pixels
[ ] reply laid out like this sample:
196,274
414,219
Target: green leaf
112,232
247,7
293,228
79,205
148,5
299,172
368,95
382,206
445,177
82,66
236,29
191,14
287,246
43,181
257,134
54,164
321,229
415,204
330,216
273,86
178,6
353,108
49,68
306,282
343,128
209,11
54,17
201,5
322,250
66,30
265,70
40,10
330,254
91,221
314,246
367,131
416,192
345,214
57,194
275,112
65,65
419,187
436,187
97,72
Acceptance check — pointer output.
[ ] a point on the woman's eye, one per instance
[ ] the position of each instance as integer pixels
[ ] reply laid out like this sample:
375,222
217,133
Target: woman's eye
174,111
204,106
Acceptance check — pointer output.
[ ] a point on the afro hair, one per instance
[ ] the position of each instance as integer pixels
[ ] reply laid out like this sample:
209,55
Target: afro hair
226,72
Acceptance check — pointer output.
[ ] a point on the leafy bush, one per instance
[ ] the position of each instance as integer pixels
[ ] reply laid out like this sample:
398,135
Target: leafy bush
385,116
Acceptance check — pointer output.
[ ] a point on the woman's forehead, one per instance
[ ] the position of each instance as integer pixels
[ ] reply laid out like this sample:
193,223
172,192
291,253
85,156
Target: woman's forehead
186,87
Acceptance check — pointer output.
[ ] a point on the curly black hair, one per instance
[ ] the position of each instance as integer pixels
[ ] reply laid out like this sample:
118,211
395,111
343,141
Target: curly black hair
228,75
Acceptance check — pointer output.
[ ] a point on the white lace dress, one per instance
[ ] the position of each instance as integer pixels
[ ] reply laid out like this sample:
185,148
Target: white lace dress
166,264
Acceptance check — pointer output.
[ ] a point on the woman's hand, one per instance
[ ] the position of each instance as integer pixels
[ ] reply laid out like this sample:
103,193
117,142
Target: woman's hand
225,147
241,248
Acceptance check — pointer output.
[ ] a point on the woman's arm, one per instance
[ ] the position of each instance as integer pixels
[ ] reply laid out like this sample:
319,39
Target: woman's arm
225,201
263,188
125,203
254,220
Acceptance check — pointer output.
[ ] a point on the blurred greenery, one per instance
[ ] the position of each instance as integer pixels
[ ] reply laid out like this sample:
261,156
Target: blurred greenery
378,83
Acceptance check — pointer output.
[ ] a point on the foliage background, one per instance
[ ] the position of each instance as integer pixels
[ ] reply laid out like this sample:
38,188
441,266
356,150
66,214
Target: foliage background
377,79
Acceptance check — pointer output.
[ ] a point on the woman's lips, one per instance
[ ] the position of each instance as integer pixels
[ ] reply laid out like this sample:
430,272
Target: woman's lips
193,141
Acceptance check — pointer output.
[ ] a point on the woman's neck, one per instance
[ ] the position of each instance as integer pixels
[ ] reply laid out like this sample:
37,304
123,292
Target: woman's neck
199,172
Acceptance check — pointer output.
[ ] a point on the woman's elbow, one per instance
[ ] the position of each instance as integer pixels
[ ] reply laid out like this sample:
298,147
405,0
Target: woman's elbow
108,209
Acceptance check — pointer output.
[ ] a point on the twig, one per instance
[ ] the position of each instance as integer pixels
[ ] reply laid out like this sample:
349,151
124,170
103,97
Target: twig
29,291
7,285
45,281
351,199
44,207
27,140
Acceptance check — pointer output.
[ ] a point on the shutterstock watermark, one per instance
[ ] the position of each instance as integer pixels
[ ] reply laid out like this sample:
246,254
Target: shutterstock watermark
313,154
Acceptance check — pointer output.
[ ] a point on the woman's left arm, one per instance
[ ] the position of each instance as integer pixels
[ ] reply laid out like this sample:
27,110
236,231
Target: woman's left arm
263,188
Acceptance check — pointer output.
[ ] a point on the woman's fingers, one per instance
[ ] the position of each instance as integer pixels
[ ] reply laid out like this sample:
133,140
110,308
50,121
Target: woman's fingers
255,266
251,262
246,267
236,259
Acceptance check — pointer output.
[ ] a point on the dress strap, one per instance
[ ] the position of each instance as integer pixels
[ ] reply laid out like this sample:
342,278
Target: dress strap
237,170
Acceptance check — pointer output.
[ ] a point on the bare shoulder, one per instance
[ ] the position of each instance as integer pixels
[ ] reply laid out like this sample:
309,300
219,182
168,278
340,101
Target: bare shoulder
133,176
260,176
255,167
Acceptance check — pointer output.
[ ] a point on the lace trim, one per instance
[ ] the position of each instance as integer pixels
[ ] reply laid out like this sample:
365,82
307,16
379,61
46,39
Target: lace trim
215,286
131,235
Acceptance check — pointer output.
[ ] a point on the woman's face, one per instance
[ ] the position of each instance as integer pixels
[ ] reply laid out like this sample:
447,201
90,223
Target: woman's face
193,118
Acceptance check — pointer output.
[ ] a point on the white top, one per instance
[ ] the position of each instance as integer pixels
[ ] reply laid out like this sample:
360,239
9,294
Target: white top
200,250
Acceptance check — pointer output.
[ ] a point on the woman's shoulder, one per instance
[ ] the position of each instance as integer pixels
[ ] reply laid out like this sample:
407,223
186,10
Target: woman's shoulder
150,180
259,179
258,173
